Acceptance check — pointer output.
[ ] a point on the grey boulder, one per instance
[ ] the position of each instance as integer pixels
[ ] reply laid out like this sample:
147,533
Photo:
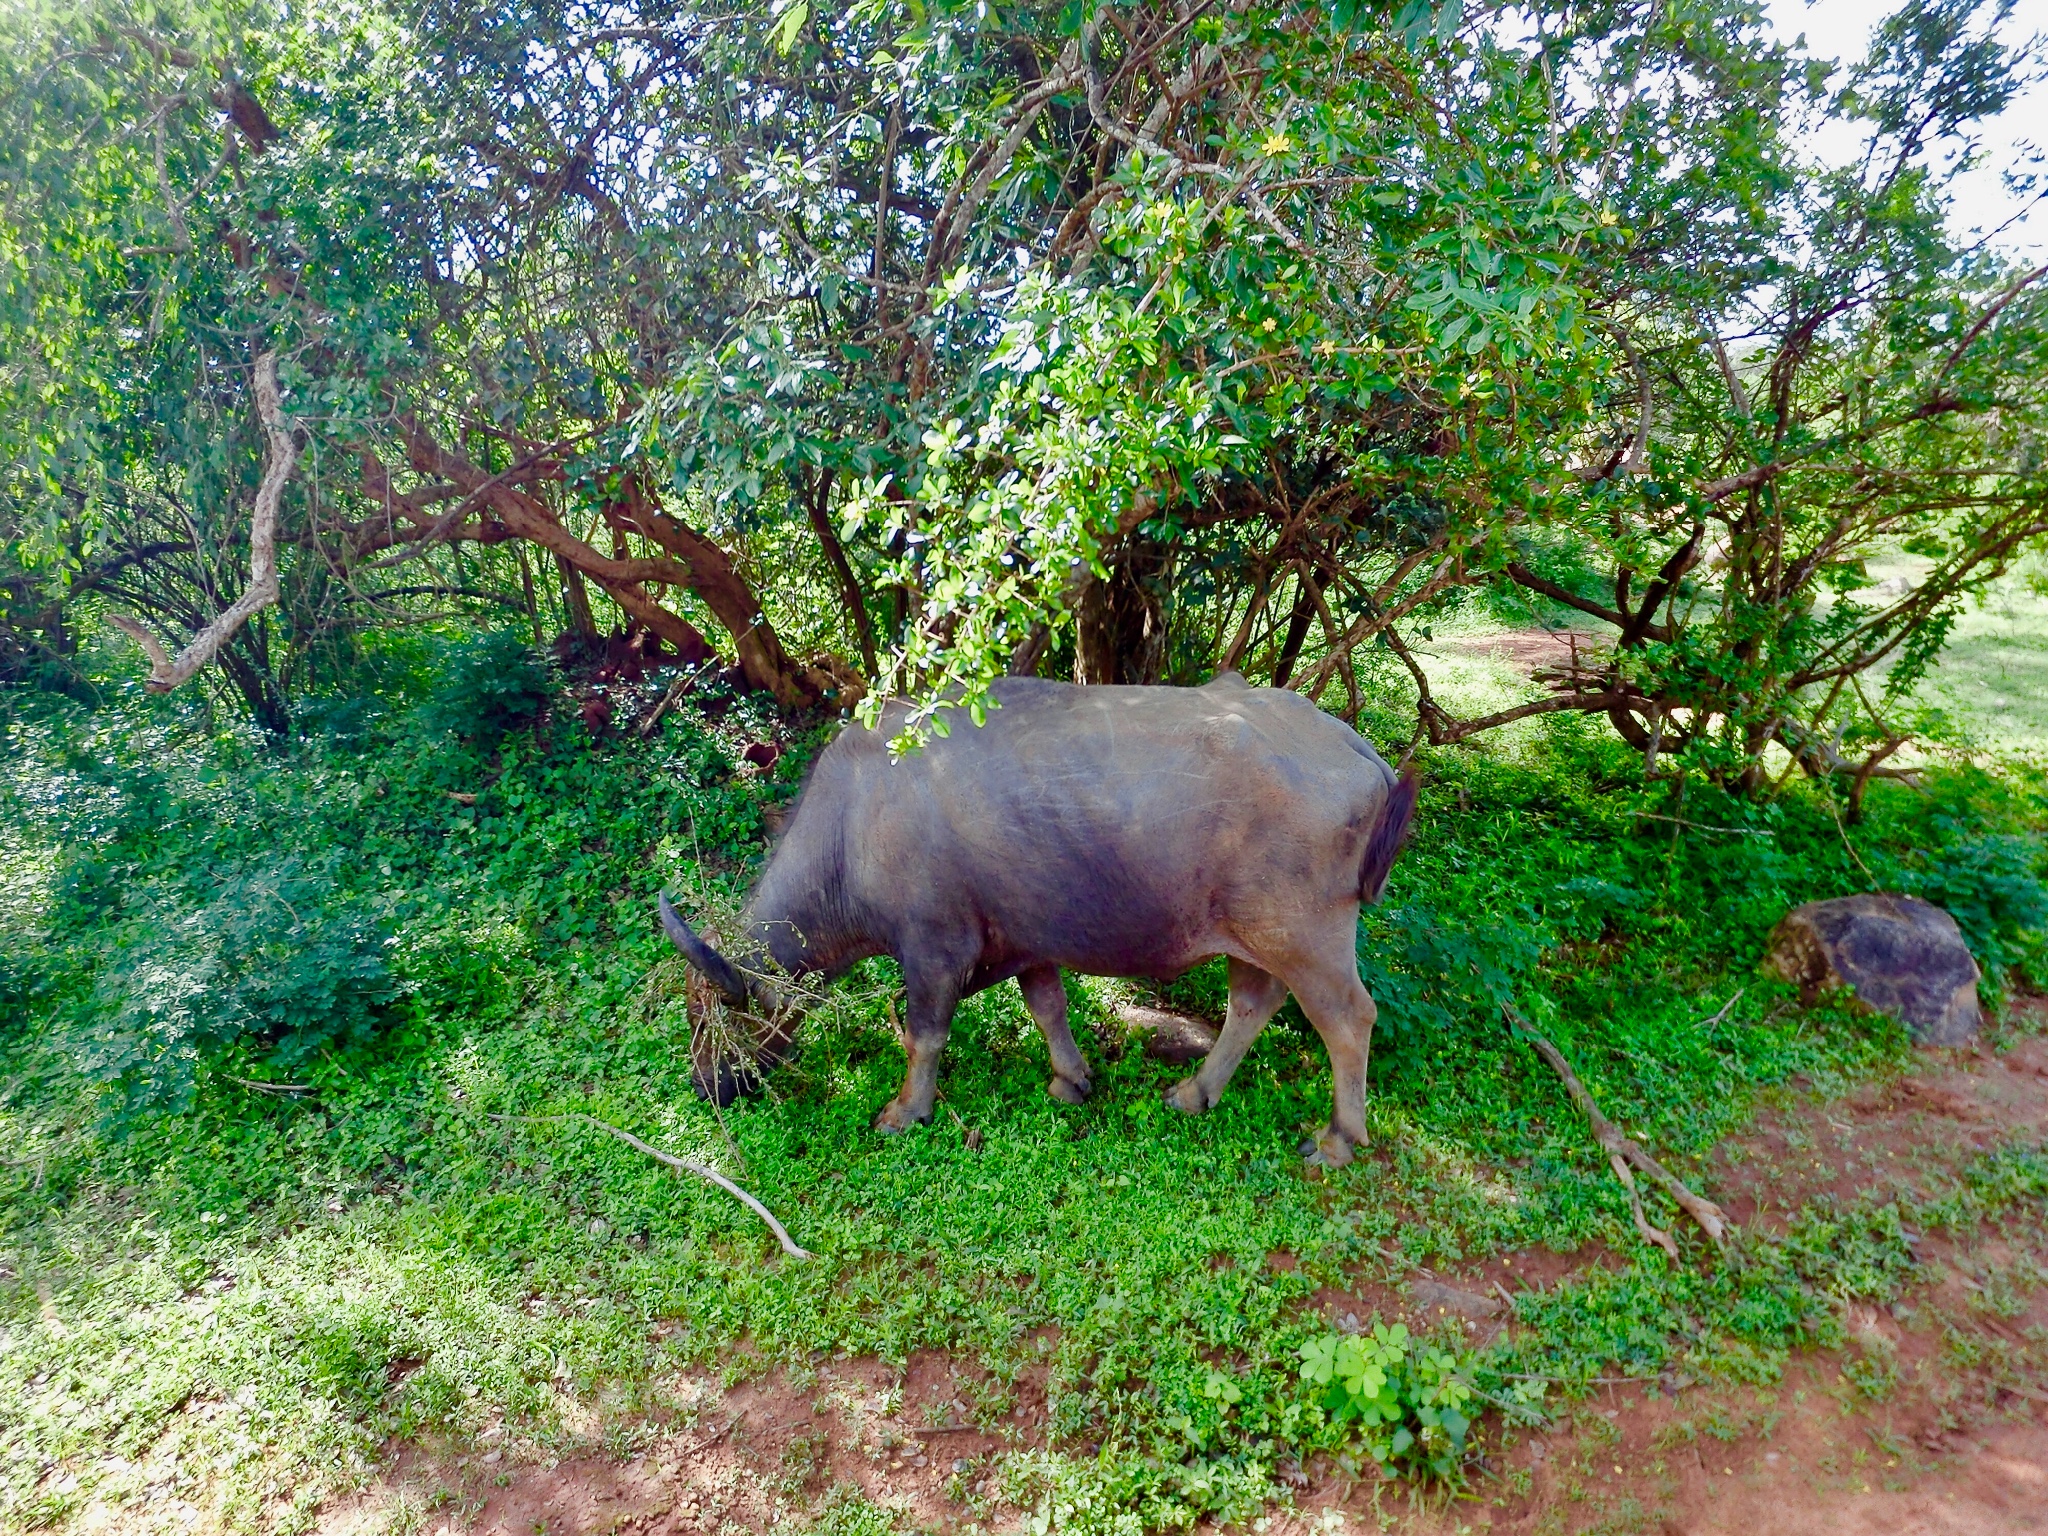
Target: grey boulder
1901,956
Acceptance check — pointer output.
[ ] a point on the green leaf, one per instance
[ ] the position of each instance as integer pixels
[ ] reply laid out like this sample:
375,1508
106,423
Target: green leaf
792,23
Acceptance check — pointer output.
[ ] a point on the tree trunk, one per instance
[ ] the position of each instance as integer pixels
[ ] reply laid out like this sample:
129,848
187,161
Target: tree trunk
818,509
575,599
1120,623
714,578
690,561
532,599
258,689
1308,585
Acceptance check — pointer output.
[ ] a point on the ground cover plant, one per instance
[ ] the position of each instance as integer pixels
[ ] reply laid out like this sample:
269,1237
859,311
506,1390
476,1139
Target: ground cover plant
237,1262
459,464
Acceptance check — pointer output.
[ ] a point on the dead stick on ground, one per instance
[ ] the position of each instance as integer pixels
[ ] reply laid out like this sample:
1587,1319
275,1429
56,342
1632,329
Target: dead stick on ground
710,1440
681,1164
675,691
1725,1008
1621,1151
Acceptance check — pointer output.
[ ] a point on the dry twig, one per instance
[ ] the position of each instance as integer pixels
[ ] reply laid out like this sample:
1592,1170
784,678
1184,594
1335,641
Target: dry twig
1622,1151
1701,826
681,1164
1726,1009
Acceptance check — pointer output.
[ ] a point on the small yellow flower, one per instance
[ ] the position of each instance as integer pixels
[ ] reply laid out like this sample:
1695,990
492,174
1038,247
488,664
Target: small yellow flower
1269,325
1276,143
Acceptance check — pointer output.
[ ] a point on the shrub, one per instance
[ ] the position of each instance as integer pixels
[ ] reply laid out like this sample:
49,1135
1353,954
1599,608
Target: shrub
268,954
1406,1396
488,685
1988,882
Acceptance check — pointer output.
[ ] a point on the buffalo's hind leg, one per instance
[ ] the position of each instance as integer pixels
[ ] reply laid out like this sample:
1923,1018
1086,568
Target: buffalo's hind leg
1255,996
930,995
1047,1000
1343,1013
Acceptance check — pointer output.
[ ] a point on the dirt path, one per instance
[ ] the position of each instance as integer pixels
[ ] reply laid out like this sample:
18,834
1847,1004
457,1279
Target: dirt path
1954,1443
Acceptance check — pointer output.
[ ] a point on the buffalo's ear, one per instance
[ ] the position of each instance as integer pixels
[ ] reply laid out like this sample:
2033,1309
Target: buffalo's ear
717,970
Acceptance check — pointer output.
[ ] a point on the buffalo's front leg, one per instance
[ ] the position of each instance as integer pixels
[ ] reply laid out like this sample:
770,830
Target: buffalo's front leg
1255,996
927,1018
1047,1000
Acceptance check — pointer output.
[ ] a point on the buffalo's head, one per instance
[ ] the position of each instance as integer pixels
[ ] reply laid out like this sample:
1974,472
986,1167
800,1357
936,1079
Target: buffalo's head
726,1062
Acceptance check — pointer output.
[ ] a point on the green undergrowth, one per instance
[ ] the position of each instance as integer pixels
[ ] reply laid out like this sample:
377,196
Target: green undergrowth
262,1006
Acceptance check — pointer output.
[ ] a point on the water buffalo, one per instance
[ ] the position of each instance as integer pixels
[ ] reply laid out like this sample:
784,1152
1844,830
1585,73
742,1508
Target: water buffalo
1112,831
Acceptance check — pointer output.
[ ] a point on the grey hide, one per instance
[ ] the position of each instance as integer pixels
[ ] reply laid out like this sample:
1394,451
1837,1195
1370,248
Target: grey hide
1110,831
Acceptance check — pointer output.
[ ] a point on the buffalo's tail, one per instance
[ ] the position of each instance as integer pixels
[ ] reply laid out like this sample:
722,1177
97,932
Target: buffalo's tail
1384,846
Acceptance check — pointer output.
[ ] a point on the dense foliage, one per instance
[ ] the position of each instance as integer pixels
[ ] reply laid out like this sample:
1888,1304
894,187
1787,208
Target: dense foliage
548,420
903,346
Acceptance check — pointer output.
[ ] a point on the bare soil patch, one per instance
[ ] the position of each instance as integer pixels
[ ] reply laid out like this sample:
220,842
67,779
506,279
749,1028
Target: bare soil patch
1531,650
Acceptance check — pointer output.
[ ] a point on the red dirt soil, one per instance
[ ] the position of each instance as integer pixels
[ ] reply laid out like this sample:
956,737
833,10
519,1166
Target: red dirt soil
1957,1447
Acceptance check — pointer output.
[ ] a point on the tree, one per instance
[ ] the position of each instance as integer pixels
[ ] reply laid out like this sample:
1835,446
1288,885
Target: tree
1125,341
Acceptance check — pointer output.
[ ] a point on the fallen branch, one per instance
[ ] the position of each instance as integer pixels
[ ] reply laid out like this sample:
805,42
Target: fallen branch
261,1087
1726,1008
675,691
682,1165
1701,826
710,1440
653,717
1622,1151
282,452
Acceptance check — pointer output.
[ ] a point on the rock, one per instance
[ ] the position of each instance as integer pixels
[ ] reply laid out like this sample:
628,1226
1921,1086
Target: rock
1901,956
1433,1297
1172,1037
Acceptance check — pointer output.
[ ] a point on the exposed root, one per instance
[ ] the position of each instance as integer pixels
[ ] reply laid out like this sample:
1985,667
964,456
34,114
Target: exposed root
1622,1151
681,1164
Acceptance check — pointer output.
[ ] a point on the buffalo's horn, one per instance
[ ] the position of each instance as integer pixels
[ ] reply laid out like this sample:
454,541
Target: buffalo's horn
736,986
718,970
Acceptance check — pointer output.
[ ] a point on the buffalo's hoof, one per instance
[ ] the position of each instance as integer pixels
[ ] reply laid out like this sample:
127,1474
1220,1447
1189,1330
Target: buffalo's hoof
1332,1149
1067,1091
1187,1096
899,1117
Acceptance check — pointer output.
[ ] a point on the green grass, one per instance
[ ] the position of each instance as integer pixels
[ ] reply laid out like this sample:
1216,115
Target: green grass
1993,674
212,1300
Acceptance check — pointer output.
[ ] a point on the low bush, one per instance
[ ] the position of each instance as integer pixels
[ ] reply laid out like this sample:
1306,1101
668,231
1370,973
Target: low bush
487,684
1408,1398
265,957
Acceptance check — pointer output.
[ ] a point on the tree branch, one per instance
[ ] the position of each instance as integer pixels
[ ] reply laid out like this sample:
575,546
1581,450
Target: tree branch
1621,1151
280,454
